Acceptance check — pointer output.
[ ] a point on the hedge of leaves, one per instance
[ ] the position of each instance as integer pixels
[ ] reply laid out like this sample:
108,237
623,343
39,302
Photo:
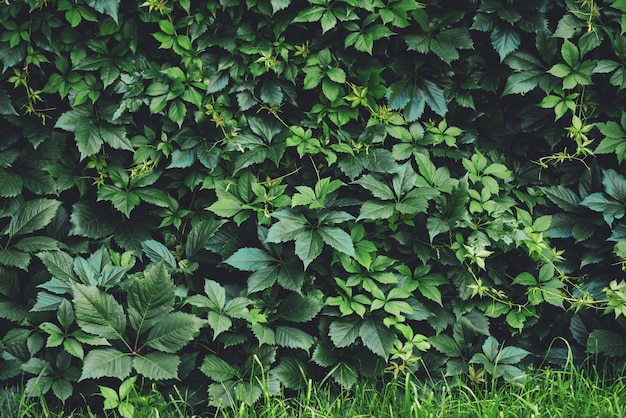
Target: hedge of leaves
224,192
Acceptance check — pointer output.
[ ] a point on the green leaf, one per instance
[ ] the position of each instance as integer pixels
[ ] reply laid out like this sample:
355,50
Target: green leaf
569,52
291,372
344,332
505,40
109,7
32,215
150,299
378,189
157,252
10,184
80,122
560,70
219,323
278,5
251,259
610,208
523,82
435,97
309,246
375,209
293,338
446,345
271,93
36,244
216,294
98,313
264,334
62,389
106,362
6,104
606,342
338,239
377,337
619,5
157,366
177,112
511,355
262,279
122,200
217,369
227,207
14,258
299,308
174,331
115,136
90,221
59,264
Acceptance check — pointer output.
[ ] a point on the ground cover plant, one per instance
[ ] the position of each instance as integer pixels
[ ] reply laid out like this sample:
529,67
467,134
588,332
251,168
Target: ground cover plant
547,393
243,197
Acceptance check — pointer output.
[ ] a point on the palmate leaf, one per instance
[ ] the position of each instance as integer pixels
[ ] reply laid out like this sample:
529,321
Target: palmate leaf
98,313
32,215
174,331
106,362
89,135
150,298
157,366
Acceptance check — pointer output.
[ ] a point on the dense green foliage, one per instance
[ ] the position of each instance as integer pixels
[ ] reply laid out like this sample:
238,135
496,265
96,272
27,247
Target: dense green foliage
272,191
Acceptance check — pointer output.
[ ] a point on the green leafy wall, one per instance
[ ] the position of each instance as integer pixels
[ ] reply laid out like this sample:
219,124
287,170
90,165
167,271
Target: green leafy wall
224,192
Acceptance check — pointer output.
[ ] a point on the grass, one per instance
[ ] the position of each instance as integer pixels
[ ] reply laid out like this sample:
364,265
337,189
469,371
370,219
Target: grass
545,393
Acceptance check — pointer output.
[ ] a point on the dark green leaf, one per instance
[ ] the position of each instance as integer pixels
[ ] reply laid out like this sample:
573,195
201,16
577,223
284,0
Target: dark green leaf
217,369
98,313
293,338
173,331
606,342
106,362
32,215
90,221
157,366
250,259
151,298
377,337
344,332
157,252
